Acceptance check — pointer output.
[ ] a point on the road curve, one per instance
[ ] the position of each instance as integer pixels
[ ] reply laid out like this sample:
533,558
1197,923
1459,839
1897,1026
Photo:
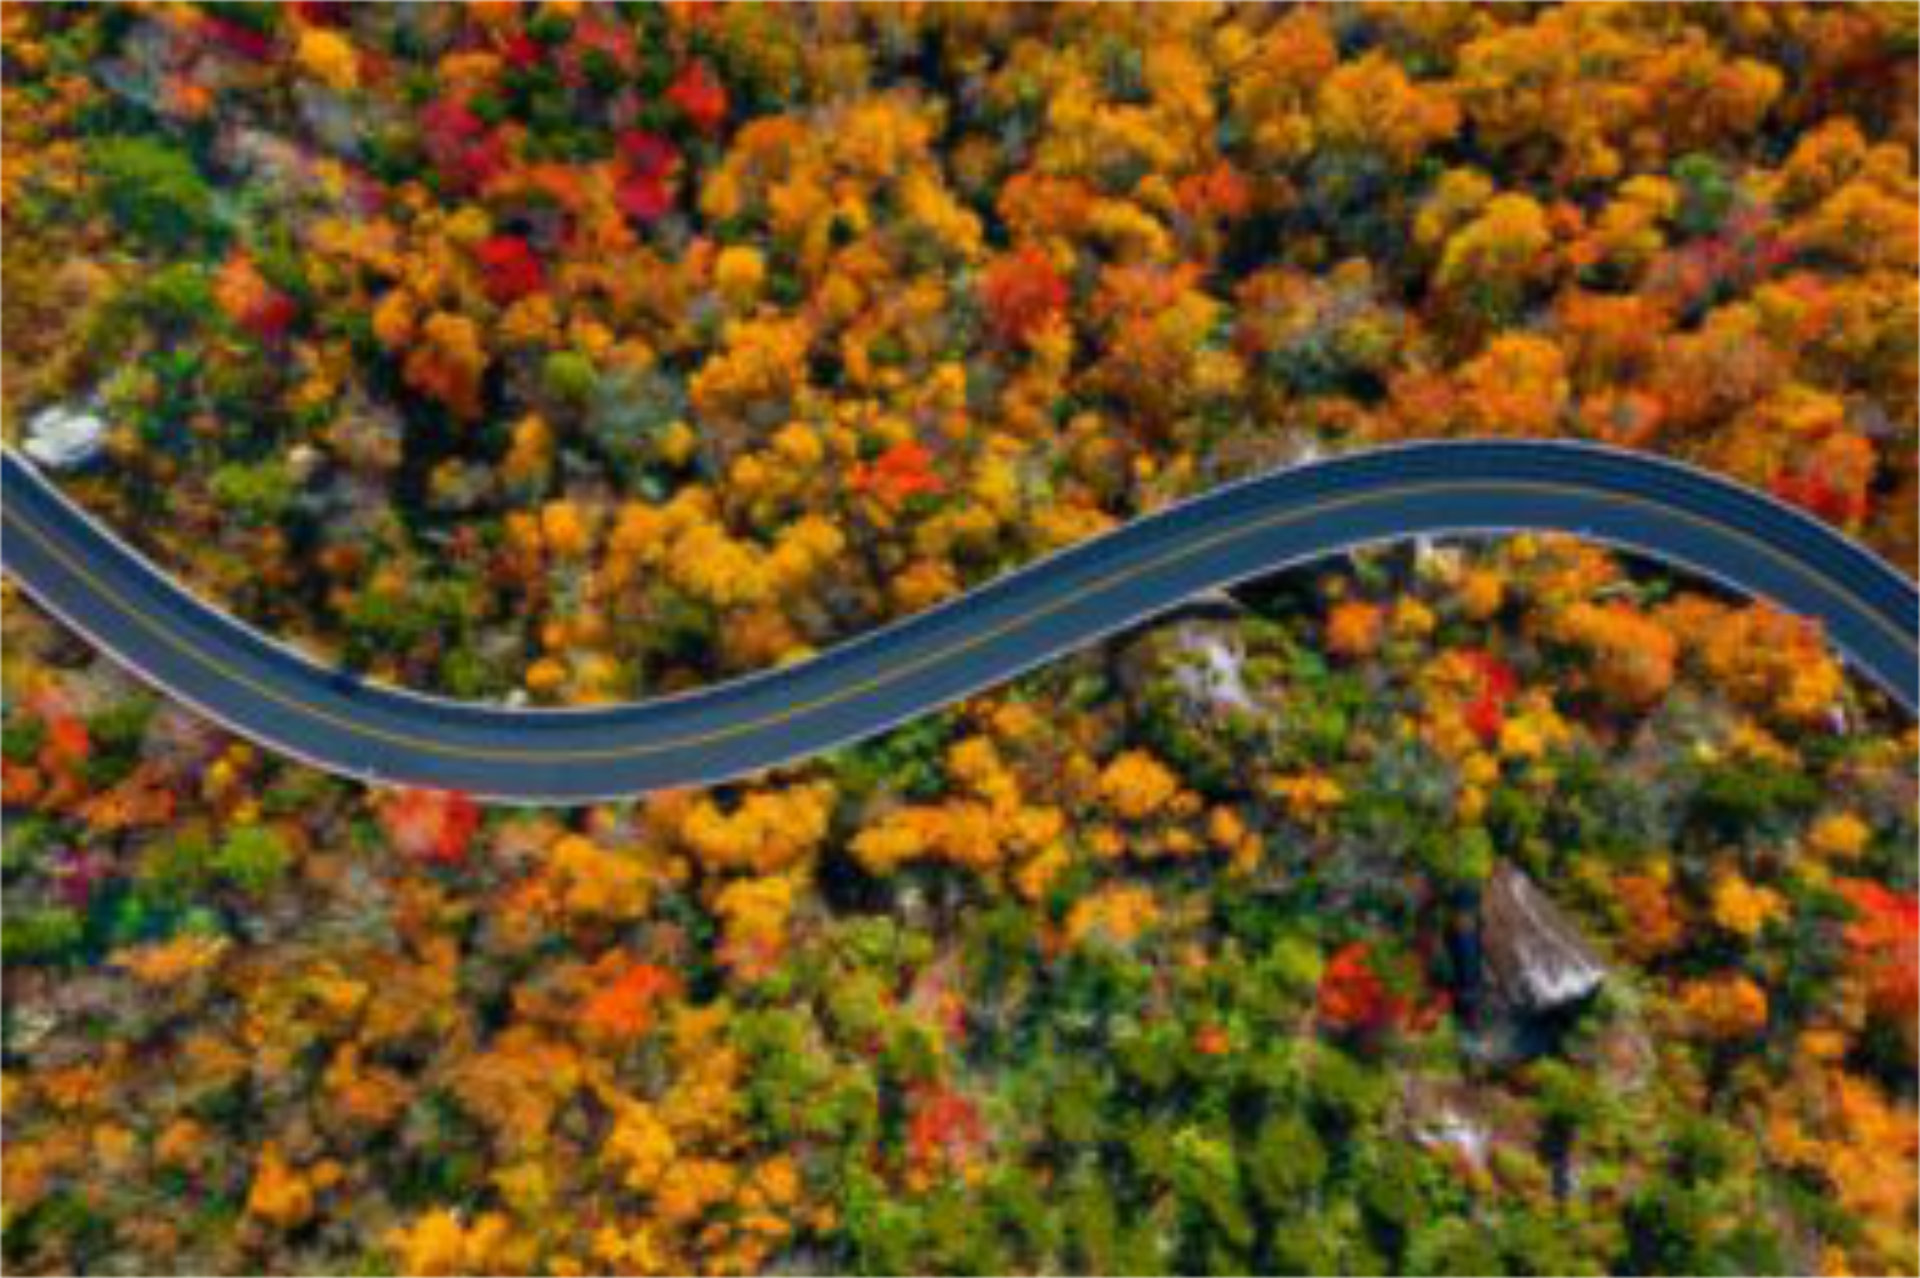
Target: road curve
101,587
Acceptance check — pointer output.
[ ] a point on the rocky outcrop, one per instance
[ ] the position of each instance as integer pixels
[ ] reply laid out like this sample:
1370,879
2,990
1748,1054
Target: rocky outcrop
1189,693
1536,960
1211,674
1464,1122
1201,656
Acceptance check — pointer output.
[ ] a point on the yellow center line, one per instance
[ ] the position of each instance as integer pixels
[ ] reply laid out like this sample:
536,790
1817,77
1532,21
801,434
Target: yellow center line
894,674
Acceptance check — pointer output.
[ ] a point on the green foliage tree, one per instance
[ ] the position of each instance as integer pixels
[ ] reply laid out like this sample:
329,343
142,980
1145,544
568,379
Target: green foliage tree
154,192
253,858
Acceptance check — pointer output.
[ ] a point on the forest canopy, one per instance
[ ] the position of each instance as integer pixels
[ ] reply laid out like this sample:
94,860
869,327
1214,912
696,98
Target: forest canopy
1483,906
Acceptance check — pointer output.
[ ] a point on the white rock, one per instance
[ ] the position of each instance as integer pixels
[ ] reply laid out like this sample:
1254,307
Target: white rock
62,438
1463,1133
1211,675
303,460
1433,561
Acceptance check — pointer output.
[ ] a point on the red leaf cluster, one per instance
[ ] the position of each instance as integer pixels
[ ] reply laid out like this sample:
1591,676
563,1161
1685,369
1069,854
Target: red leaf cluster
700,97
1352,995
947,1129
1021,291
434,825
1355,998
643,189
521,51
594,35
1885,940
903,471
270,320
511,269
58,775
466,152
256,307
1486,713
67,744
1811,493
1823,494
624,1007
1220,191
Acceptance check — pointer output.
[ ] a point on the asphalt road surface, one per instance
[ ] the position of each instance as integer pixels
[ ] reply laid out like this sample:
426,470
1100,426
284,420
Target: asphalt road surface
265,691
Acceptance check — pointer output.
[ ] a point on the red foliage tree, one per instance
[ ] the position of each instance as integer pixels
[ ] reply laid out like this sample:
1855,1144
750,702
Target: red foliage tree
1884,939
624,1007
946,1129
1353,997
1487,711
512,269
1831,480
255,306
1021,291
463,149
644,190
433,825
903,471
700,97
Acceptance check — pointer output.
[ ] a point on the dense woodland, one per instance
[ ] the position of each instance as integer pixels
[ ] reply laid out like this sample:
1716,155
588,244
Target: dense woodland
1474,907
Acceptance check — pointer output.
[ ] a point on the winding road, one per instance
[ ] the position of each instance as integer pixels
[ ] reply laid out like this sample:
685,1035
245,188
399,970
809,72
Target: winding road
266,691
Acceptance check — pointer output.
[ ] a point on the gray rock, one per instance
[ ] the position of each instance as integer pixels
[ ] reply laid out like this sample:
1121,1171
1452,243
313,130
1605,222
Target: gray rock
1535,958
